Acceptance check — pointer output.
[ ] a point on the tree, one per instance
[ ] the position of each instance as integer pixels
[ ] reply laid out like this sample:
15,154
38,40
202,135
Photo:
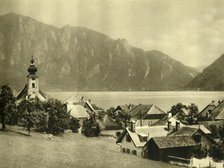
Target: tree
59,119
7,104
90,127
177,108
190,118
123,117
193,112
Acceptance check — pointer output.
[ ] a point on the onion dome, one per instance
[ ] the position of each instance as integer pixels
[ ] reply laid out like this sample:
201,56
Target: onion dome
32,68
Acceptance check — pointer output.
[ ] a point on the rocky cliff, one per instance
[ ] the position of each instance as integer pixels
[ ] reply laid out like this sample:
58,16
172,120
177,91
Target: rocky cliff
71,58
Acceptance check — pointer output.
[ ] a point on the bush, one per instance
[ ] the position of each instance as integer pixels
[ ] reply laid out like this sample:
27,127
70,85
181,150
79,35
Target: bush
90,128
74,125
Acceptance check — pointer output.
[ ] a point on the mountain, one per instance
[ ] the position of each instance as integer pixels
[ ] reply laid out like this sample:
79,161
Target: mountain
71,58
212,77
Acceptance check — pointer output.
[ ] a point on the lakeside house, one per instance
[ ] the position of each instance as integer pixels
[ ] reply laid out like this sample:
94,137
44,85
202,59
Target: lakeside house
132,140
31,89
205,113
212,112
142,114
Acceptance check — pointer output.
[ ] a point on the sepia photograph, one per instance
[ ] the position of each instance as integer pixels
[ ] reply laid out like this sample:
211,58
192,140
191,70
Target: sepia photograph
111,83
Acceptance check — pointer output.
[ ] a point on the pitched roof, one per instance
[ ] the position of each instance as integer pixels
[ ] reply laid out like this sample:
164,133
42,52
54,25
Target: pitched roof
22,95
207,109
78,111
109,122
152,131
145,111
173,141
162,121
207,124
185,131
149,132
185,111
218,112
201,127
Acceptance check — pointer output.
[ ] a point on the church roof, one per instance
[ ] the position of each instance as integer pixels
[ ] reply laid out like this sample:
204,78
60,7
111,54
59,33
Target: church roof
22,95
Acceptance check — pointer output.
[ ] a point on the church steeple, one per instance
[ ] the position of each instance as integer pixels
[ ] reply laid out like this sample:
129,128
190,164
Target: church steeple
32,68
31,89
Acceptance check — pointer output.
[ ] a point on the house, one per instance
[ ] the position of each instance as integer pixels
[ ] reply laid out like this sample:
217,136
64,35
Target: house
90,107
110,124
206,112
132,140
78,111
167,147
178,144
123,108
146,115
218,112
199,134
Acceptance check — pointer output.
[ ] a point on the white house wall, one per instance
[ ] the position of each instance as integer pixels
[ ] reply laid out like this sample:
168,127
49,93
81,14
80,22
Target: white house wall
130,145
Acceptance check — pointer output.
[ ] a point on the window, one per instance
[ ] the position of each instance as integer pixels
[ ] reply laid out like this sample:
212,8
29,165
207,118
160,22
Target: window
134,152
128,138
128,150
123,150
33,85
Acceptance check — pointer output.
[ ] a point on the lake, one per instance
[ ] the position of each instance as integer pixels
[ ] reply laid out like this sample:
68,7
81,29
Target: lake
163,99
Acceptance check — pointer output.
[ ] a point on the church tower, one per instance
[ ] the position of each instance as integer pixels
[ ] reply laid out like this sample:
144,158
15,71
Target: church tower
31,89
32,81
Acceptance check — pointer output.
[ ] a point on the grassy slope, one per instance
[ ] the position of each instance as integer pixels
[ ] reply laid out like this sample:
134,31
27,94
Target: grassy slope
71,150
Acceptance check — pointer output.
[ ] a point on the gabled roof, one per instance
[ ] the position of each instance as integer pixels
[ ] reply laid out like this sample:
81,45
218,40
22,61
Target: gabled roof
146,111
173,141
78,111
184,131
22,95
201,127
218,112
152,131
162,121
109,122
134,137
185,111
144,132
208,108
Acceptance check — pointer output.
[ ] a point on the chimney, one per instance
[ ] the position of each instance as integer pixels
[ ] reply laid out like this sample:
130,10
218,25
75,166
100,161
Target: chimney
168,125
89,100
177,125
169,114
132,126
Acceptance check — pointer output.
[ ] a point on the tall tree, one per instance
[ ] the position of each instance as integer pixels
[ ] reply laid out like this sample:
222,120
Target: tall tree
7,103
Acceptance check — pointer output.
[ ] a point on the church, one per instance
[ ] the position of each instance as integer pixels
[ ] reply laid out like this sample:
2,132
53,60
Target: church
31,89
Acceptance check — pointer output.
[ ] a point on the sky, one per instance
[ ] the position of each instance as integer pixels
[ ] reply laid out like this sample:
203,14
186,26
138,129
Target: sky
190,31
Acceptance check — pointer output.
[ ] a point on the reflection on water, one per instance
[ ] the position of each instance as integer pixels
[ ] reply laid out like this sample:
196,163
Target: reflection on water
164,99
